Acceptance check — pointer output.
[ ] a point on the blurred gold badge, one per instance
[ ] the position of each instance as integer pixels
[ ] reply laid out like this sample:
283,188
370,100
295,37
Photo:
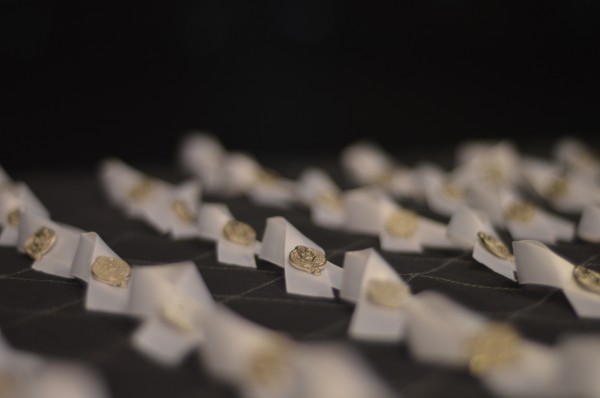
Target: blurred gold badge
387,293
557,188
111,271
308,260
497,345
495,246
40,242
587,279
180,312
402,223
142,190
239,232
183,211
13,218
330,199
452,191
270,364
520,211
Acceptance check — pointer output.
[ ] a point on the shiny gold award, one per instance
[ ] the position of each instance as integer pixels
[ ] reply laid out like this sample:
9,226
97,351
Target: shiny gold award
587,279
13,218
497,345
387,293
495,246
40,243
239,232
269,365
111,271
142,190
308,260
520,211
402,223
183,212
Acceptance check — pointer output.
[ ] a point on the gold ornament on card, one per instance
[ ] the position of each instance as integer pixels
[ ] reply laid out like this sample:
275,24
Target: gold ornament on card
402,223
111,271
308,259
239,232
387,293
40,243
497,345
183,212
495,246
522,211
587,278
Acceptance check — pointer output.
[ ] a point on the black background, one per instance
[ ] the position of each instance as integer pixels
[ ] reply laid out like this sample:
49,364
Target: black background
87,79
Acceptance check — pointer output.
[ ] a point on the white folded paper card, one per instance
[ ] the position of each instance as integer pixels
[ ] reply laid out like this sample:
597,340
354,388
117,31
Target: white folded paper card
537,264
363,209
580,366
318,191
578,157
273,192
238,173
443,196
589,224
202,155
365,163
531,222
380,295
312,183
14,198
66,380
101,296
175,304
59,258
279,239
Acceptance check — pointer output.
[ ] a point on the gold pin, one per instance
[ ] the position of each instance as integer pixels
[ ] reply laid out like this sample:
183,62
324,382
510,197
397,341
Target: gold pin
520,211
13,218
385,178
493,173
558,188
331,199
497,345
587,279
239,232
387,293
40,243
269,365
308,259
452,191
402,223
142,190
180,312
183,212
495,246
111,271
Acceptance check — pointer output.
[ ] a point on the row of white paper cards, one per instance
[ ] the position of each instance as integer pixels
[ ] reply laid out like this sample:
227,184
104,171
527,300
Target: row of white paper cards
438,330
24,375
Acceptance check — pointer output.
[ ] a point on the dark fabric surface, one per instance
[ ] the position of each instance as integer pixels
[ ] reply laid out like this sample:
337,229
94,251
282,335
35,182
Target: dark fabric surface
45,314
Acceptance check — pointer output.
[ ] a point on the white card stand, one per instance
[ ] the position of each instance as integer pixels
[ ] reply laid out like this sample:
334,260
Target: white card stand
488,199
59,259
99,296
543,226
202,155
17,197
151,289
279,193
437,200
580,366
589,225
440,330
365,162
232,343
402,183
370,321
574,154
312,183
163,218
325,215
537,264
333,371
237,175
279,239
429,233
212,219
363,209
66,380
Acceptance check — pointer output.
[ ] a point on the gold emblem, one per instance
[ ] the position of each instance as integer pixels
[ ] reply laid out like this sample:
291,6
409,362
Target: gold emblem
267,176
520,211
180,312
387,293
587,279
111,271
452,191
493,173
183,212
331,199
557,189
239,232
497,345
495,246
142,190
13,218
308,260
402,223
40,243
269,365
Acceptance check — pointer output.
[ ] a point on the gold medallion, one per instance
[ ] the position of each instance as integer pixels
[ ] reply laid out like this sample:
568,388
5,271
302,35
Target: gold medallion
497,345
520,211
402,223
239,232
452,191
142,190
495,246
308,260
331,199
269,365
558,188
183,212
493,173
587,278
14,217
40,243
111,271
387,293
180,312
